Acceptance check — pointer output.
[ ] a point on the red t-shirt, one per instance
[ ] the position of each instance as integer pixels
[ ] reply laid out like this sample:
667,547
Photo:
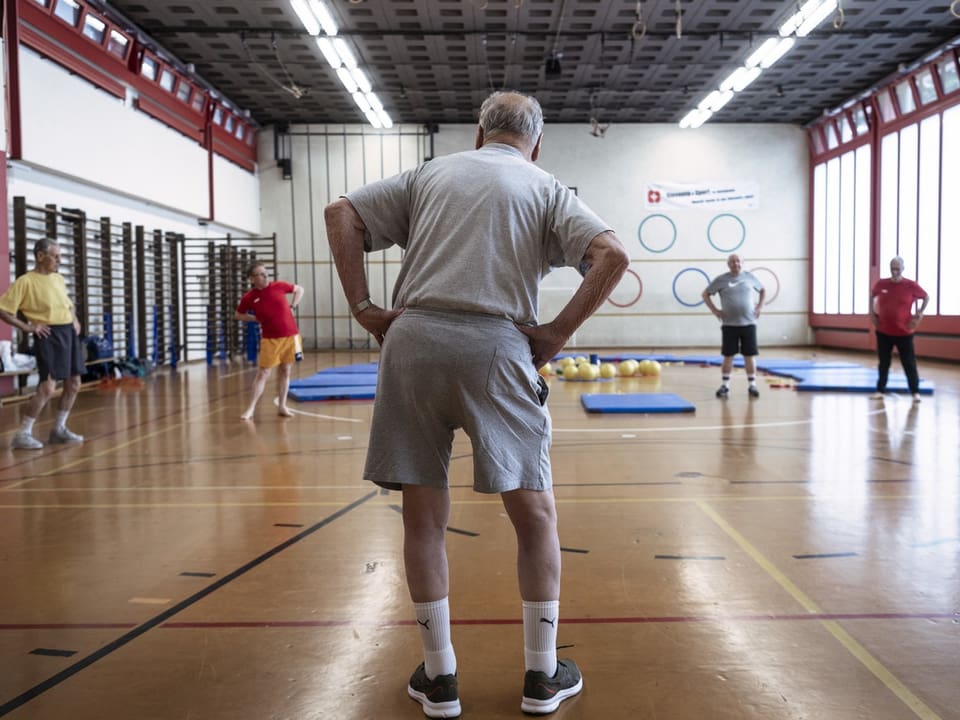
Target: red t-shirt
895,305
271,309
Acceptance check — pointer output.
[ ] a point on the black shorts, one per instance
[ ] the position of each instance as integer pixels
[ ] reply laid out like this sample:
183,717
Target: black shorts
739,339
60,354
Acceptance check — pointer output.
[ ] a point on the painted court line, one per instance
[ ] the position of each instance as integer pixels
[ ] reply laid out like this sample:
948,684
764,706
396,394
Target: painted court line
68,672
918,707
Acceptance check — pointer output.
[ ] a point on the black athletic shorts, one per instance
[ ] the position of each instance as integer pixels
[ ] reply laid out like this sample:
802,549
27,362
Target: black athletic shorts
60,354
739,339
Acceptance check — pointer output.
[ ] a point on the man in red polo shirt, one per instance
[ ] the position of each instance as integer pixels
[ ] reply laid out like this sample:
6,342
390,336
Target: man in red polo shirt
280,341
892,312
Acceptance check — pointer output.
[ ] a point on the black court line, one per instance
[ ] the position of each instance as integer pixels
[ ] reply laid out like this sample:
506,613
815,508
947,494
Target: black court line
689,557
188,573
469,533
573,550
69,672
818,556
53,653
288,524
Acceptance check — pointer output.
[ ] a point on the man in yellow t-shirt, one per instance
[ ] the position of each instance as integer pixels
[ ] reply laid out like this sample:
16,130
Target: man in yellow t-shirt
41,296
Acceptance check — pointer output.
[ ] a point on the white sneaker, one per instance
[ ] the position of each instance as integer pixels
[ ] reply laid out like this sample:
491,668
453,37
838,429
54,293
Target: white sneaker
58,436
877,396
916,397
25,441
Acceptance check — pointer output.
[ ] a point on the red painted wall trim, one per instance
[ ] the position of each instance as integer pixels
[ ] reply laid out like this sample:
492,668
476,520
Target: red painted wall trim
11,36
7,385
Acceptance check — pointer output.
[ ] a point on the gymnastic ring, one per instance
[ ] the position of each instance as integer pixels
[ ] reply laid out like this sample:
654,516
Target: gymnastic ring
777,279
636,299
677,277
743,232
644,222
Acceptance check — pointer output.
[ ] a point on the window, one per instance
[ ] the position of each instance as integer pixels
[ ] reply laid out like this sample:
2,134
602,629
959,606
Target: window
118,44
68,11
928,207
831,133
198,100
860,120
947,70
925,87
905,97
94,28
846,132
228,125
43,3
817,140
950,214
884,101
239,132
148,68
167,79
217,116
183,91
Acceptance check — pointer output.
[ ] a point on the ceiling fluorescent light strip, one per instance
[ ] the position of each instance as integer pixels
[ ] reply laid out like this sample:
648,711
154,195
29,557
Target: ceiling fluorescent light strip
316,17
808,17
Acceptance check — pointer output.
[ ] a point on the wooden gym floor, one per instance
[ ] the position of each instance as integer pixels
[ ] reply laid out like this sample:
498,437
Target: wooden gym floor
793,557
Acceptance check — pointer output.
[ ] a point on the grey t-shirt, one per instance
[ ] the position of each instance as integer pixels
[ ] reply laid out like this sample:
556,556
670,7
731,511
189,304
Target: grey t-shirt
480,230
737,301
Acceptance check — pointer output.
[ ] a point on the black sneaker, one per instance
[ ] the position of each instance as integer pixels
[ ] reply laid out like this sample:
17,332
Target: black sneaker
438,697
723,392
542,694
754,391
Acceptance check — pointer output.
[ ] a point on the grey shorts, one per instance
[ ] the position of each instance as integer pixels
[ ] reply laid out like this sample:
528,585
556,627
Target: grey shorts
60,354
442,371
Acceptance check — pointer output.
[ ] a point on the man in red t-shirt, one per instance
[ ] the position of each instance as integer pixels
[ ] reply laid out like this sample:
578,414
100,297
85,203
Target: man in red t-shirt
891,310
280,338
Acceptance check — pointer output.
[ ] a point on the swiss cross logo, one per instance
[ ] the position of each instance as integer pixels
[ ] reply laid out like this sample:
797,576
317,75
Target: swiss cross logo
653,196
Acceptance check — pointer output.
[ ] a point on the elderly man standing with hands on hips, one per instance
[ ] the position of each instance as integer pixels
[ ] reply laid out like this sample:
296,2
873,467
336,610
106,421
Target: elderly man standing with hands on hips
892,303
461,349
41,296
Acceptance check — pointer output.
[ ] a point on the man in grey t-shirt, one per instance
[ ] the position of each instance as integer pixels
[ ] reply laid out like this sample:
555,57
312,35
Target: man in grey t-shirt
461,349
738,314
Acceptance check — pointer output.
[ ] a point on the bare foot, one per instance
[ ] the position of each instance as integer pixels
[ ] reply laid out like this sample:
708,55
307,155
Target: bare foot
284,412
247,416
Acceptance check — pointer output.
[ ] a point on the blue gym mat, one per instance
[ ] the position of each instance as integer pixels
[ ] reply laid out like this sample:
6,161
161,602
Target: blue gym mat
855,379
352,392
636,403
328,379
370,367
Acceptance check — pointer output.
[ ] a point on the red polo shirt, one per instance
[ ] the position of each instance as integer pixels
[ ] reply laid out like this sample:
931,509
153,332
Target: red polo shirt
895,305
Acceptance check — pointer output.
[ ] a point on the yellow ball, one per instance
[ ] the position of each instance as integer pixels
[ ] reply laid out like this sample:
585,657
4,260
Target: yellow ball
608,370
570,372
546,370
644,367
654,367
581,359
564,361
589,372
628,368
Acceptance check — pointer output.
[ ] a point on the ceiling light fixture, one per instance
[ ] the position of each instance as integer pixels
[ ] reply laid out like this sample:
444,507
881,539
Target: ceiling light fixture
316,18
801,23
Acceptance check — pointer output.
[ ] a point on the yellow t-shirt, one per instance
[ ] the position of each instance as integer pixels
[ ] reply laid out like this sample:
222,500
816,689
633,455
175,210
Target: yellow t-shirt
41,298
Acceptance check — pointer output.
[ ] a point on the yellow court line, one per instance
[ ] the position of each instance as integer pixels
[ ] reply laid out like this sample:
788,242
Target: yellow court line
919,708
113,449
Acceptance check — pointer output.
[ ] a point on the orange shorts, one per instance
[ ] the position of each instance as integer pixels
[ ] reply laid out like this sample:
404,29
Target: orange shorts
279,351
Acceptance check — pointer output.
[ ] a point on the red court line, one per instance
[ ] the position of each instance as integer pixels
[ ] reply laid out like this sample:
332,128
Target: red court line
497,621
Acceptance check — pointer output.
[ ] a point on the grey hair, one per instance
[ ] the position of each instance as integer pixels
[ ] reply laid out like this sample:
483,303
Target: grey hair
899,260
511,112
42,245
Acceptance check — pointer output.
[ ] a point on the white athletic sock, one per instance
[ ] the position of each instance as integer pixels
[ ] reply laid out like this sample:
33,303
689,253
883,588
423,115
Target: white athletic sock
726,380
433,619
62,419
752,379
540,620
26,425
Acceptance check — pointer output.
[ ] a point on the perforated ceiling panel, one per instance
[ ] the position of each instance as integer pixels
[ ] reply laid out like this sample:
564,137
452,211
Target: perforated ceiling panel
433,61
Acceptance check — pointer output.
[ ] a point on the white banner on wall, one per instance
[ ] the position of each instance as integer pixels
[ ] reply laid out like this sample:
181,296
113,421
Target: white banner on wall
675,196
